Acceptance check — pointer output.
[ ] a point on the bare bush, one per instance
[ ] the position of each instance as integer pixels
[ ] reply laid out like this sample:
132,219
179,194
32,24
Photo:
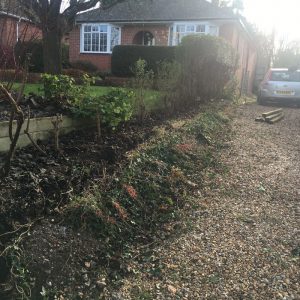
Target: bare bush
10,34
208,64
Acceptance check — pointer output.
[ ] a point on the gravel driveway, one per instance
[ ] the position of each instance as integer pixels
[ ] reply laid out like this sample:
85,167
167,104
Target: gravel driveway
243,239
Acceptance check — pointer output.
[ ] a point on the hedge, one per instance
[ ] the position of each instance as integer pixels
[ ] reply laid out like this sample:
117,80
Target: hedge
35,48
208,64
124,57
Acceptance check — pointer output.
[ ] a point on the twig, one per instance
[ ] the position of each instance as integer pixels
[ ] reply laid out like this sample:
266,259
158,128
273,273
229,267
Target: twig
26,131
10,128
20,227
17,112
20,120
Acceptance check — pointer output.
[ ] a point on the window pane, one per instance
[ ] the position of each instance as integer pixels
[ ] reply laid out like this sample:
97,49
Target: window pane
87,42
103,42
200,28
190,28
95,42
115,37
285,76
103,28
180,28
171,36
95,38
87,28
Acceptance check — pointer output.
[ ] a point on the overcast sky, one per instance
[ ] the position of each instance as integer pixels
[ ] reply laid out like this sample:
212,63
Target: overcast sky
282,15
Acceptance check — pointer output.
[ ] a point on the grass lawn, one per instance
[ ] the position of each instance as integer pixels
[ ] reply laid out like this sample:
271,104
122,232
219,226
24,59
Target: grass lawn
152,98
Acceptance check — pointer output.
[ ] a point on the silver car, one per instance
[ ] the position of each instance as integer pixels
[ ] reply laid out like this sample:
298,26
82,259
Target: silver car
280,86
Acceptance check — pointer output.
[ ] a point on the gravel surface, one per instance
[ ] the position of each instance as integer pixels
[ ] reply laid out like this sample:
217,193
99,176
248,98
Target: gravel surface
241,240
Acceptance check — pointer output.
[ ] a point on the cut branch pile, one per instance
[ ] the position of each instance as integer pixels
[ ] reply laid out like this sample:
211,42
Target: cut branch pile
271,117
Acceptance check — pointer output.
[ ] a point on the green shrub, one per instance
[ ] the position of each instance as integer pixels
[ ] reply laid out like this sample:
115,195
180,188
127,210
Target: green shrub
117,107
110,109
62,89
124,57
143,80
208,63
167,79
231,90
75,73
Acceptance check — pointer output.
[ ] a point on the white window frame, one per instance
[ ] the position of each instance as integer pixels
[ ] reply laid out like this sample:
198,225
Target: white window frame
173,40
109,28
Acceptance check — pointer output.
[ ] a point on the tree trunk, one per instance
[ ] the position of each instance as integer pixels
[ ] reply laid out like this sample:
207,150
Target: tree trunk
52,48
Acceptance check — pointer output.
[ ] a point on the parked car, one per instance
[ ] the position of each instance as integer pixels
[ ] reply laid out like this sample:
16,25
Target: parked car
280,86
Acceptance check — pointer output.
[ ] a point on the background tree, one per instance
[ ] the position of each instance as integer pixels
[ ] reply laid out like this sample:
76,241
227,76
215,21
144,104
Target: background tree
54,22
287,54
236,5
265,45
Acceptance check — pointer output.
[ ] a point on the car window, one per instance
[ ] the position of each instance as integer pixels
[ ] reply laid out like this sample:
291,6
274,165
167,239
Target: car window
285,76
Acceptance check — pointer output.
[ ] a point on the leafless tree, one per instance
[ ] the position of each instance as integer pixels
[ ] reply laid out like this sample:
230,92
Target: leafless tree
55,22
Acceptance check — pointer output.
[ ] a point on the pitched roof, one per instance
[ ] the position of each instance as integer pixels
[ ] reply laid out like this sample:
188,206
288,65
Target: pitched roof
5,14
157,10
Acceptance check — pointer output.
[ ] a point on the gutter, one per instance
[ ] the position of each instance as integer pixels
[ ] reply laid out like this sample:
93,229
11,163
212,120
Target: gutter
154,21
7,14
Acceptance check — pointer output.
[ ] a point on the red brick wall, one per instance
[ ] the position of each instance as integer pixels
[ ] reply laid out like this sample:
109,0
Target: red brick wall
245,50
101,61
28,31
128,32
8,31
160,33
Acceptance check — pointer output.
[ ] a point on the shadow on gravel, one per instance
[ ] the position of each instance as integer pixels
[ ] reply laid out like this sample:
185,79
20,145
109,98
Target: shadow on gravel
281,104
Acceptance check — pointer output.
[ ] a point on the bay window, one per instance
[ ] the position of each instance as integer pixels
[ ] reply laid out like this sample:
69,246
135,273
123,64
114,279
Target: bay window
99,38
180,30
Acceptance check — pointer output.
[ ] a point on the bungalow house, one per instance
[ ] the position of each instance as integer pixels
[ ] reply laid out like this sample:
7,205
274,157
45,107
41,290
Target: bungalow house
160,22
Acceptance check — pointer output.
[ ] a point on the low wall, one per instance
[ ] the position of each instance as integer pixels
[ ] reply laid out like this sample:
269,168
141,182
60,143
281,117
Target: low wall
39,129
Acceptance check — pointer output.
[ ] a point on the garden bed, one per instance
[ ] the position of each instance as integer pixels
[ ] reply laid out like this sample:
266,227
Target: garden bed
157,158
40,129
35,78
38,184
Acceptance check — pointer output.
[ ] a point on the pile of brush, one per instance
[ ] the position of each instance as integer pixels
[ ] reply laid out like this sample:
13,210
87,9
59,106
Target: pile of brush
271,117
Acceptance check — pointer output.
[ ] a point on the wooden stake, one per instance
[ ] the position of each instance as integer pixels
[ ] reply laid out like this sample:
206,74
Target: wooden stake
26,131
56,124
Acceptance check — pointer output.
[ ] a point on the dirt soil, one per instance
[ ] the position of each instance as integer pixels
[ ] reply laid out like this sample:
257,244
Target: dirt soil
36,110
241,239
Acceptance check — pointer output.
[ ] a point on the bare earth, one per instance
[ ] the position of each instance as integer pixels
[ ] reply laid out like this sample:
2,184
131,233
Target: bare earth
243,239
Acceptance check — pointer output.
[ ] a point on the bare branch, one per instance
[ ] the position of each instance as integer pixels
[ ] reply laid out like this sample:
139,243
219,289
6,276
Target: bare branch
26,131
78,6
